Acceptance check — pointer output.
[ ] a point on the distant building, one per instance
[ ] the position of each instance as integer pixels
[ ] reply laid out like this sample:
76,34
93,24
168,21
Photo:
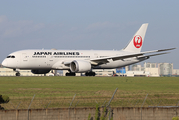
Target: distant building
152,68
149,69
137,74
175,72
165,69
121,70
136,67
150,65
104,72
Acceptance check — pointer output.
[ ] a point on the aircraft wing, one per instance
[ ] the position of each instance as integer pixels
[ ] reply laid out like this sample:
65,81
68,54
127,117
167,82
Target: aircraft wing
99,61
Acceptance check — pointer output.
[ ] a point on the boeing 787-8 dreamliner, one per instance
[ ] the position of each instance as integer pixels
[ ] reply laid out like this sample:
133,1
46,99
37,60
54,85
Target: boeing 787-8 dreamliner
81,61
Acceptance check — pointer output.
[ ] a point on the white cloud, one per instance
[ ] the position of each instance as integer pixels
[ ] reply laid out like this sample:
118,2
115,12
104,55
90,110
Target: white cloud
73,29
9,29
102,25
3,18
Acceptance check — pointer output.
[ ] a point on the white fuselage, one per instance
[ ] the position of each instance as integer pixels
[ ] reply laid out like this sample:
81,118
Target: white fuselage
56,59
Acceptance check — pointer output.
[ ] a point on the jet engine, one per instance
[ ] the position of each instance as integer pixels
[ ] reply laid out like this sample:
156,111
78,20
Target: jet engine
42,71
80,66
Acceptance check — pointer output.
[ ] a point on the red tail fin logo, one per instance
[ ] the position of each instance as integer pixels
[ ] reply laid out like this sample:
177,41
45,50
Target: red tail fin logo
137,41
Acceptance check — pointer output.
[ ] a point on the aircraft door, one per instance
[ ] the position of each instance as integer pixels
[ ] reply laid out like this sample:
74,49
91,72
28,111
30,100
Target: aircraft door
50,61
24,60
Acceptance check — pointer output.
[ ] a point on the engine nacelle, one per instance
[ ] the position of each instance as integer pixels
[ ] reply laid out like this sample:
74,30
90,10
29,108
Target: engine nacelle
80,66
42,71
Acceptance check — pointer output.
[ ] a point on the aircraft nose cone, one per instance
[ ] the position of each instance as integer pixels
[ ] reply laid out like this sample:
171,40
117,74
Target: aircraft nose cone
4,63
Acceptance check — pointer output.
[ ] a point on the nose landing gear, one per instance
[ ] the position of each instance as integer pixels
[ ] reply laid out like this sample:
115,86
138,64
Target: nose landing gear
17,72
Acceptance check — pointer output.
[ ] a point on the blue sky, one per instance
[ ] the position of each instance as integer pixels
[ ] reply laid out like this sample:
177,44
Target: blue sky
88,24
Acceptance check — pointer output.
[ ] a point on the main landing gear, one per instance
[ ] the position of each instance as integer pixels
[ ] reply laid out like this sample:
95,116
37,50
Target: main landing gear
70,74
90,73
86,74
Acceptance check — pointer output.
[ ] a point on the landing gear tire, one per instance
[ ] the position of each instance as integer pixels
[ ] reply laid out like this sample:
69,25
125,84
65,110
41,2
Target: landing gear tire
70,74
18,74
90,73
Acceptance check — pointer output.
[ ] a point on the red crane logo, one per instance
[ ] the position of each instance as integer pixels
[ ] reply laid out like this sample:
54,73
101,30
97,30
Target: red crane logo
137,41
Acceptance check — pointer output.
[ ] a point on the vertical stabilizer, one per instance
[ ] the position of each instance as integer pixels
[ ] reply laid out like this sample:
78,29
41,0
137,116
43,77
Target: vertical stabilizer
137,41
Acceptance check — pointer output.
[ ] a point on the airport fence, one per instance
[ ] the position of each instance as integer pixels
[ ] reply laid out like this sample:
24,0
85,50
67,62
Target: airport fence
43,99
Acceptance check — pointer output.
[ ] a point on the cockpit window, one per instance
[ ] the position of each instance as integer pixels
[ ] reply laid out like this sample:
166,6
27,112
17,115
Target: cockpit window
11,56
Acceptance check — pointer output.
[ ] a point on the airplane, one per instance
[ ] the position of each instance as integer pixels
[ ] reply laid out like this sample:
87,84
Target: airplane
81,61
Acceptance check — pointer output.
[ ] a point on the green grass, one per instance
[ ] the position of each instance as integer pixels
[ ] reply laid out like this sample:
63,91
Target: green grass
59,91
160,84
